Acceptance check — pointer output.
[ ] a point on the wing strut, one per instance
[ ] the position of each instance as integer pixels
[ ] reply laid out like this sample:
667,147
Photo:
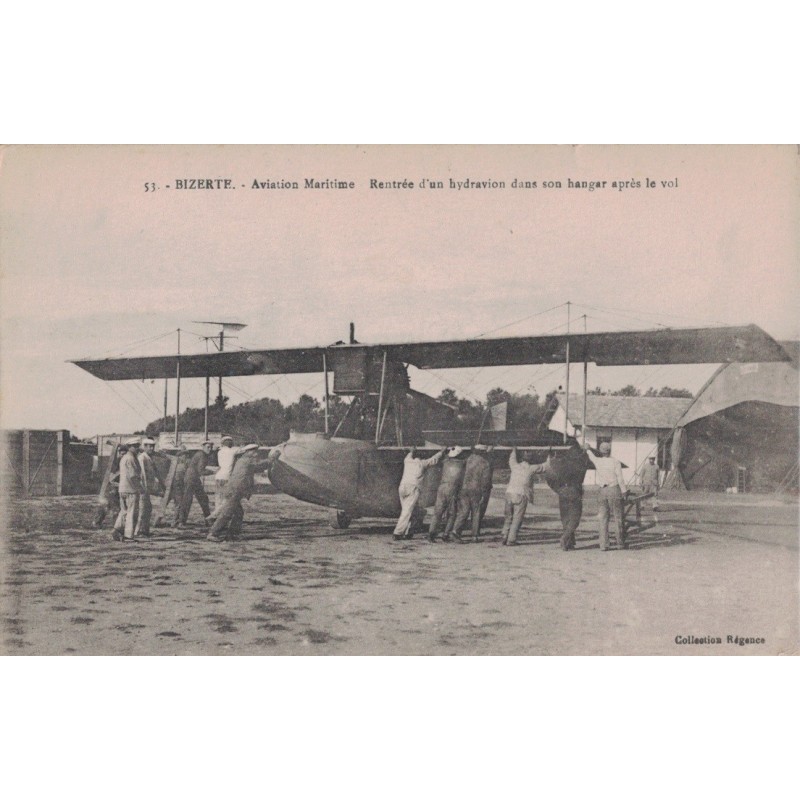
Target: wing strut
585,388
178,390
566,401
380,401
205,418
327,394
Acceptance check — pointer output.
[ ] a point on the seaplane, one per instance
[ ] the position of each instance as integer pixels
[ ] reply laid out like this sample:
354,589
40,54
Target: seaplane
355,470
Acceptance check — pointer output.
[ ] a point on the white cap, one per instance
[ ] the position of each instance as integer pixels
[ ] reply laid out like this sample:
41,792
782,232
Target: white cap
249,447
132,442
148,441
227,439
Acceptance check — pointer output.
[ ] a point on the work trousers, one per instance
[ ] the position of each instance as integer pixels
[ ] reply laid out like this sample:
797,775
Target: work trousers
515,511
229,517
610,503
571,509
652,487
176,495
470,503
145,512
409,497
128,514
100,512
108,505
444,511
219,494
193,488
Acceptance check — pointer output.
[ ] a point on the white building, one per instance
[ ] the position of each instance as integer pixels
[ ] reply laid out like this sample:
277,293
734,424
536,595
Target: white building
191,440
636,427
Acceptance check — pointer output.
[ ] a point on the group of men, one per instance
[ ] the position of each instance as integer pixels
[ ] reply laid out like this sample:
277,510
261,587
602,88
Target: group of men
137,480
465,487
462,495
463,492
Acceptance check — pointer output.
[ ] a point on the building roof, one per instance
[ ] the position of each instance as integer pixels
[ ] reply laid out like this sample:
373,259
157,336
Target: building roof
616,411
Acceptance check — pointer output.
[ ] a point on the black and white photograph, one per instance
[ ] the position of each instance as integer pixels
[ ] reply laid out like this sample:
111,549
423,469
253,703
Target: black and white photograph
399,400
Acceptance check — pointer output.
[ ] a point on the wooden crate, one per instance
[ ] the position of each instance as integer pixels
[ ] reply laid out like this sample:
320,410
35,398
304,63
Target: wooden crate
11,467
34,461
37,463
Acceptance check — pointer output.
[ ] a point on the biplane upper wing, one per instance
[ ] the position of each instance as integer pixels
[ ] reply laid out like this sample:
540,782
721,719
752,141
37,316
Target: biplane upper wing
744,344
214,365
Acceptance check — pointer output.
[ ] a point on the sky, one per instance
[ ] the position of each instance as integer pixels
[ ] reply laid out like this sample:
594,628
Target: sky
93,265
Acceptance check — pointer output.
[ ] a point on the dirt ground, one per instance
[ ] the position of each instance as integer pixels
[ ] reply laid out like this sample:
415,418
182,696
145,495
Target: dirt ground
712,566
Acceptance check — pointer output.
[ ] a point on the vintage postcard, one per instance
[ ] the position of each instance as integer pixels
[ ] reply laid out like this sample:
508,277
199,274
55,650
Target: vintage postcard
399,400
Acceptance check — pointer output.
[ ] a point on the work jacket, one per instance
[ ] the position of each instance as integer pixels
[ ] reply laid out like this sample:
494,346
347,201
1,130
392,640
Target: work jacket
130,474
521,478
608,471
241,482
566,472
414,468
452,474
149,474
650,474
477,475
225,458
197,466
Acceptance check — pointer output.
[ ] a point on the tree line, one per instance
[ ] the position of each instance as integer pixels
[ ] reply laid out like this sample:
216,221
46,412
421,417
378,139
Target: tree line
632,391
268,421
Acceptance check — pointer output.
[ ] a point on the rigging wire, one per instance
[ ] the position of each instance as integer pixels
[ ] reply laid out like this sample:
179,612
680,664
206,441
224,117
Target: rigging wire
523,319
228,386
227,383
201,335
531,381
626,316
467,394
465,389
272,381
147,397
613,319
120,396
661,314
517,366
513,366
132,345
294,388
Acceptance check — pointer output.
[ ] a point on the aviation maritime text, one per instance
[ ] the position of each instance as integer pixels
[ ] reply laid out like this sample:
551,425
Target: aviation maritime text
457,185
467,184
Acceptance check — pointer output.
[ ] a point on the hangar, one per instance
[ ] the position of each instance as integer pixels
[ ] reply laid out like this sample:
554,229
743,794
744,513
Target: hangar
740,432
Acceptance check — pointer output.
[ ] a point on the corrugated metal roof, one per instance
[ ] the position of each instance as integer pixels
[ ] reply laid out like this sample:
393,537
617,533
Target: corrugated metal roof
615,411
